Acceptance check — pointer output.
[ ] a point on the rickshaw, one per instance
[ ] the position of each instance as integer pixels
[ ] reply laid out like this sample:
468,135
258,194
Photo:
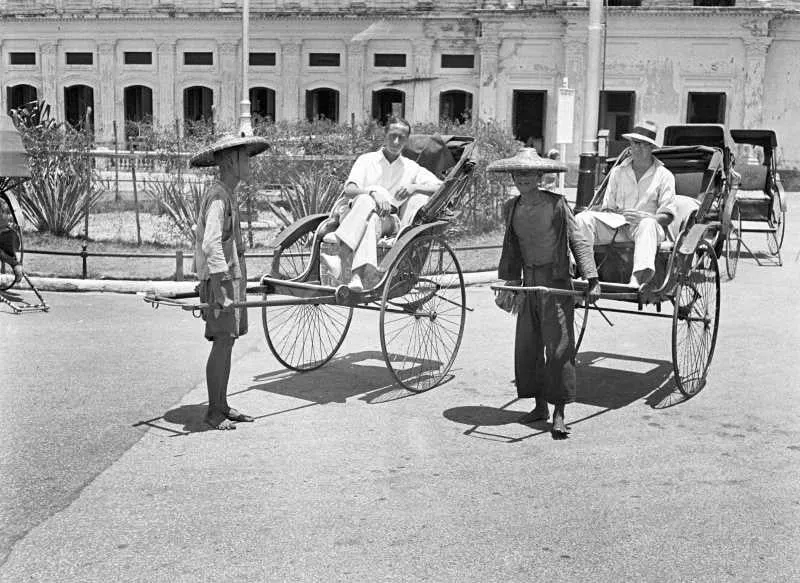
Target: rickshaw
687,272
419,291
13,173
759,202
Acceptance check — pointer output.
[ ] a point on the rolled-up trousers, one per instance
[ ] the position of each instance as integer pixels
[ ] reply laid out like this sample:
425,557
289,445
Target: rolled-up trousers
544,347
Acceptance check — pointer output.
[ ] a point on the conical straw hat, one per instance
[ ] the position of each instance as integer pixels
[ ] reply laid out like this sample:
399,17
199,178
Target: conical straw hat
527,160
251,144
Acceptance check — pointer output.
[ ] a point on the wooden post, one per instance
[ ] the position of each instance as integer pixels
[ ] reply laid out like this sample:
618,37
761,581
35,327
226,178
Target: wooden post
136,200
116,164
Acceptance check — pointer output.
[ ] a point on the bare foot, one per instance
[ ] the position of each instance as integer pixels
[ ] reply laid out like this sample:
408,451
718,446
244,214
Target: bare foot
219,421
560,429
538,414
235,415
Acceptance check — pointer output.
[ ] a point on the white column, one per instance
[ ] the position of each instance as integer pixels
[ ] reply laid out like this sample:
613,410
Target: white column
355,86
423,110
169,102
106,102
756,48
293,109
51,92
230,89
489,47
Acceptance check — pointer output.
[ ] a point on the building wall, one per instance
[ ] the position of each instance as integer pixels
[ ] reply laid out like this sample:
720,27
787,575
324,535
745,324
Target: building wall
661,51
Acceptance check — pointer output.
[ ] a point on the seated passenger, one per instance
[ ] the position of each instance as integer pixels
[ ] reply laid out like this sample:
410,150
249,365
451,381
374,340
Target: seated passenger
385,189
9,240
639,202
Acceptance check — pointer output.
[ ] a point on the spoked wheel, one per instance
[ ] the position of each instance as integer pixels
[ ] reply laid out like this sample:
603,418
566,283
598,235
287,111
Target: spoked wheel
733,242
580,321
423,310
303,337
695,320
776,221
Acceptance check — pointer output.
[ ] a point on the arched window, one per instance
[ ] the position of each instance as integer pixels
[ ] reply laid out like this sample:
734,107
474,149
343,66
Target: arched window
455,106
138,107
262,104
79,107
322,103
19,95
388,102
198,107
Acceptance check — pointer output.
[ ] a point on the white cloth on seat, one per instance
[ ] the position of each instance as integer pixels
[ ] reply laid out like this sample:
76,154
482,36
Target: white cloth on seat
684,207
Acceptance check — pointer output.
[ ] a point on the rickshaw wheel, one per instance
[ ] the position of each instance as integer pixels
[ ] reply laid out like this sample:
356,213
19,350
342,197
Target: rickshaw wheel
581,319
423,309
695,320
776,221
303,337
733,242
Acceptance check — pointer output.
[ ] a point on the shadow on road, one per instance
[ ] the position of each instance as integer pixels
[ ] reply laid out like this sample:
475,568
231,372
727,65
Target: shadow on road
360,373
607,381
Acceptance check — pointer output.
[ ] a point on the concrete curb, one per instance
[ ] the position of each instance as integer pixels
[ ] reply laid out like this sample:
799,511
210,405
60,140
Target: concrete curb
126,286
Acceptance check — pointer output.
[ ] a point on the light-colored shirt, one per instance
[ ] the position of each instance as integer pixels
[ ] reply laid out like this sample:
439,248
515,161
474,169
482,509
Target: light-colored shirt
373,169
653,193
216,250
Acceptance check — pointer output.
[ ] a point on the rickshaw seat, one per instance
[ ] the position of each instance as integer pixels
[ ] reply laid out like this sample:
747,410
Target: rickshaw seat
691,184
754,177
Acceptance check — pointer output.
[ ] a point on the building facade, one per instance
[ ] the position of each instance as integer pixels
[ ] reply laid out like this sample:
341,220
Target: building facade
102,62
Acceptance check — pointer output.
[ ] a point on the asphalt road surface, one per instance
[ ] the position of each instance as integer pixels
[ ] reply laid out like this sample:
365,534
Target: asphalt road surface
344,477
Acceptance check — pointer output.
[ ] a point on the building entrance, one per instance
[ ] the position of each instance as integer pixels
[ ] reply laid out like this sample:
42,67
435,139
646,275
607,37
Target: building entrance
529,118
19,95
322,104
617,111
79,107
262,104
386,103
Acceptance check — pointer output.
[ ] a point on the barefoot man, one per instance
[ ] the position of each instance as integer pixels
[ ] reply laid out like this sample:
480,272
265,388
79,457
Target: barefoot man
540,231
220,267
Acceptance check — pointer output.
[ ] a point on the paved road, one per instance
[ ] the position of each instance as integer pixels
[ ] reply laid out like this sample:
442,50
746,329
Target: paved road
346,478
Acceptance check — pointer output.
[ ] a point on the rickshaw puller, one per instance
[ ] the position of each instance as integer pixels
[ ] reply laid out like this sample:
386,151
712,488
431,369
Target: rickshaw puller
221,269
9,240
540,231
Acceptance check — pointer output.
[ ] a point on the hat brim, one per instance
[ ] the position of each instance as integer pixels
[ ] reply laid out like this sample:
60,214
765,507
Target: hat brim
511,165
253,145
640,138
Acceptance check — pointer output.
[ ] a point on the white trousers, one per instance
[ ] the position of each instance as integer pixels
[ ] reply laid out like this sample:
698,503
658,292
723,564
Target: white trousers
361,228
646,237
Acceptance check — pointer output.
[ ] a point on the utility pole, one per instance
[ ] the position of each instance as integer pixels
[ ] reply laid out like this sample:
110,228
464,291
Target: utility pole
245,127
587,168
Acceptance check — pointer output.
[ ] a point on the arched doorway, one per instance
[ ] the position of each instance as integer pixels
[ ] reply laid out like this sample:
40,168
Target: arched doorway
455,106
262,104
198,106
386,103
19,95
138,103
79,107
322,103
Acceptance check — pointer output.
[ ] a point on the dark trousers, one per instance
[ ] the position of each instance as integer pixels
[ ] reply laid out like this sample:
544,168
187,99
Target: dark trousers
544,347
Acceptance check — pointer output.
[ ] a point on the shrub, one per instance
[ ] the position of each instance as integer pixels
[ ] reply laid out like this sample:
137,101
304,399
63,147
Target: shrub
62,188
311,191
181,207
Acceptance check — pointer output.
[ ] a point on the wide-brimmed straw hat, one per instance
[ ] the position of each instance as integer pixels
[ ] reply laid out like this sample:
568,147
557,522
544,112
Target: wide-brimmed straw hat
527,160
643,132
251,144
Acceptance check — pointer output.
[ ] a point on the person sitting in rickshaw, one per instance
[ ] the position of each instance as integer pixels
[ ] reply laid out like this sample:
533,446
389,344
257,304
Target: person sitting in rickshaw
639,202
540,231
385,190
10,240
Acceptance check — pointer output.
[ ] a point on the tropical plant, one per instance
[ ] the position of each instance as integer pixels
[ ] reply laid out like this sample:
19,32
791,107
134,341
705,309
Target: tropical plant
62,189
181,207
314,190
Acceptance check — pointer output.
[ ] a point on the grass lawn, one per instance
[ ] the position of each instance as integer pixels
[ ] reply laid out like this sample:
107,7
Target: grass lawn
116,232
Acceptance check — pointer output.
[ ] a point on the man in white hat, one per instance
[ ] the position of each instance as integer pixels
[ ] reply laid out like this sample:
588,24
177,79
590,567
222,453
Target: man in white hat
540,233
640,196
220,267
381,185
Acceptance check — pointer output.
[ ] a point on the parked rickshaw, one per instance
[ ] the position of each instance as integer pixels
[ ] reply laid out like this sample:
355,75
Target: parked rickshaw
13,173
419,294
687,273
759,201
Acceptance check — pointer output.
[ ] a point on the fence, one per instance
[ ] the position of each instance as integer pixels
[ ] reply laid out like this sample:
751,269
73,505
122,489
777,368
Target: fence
179,256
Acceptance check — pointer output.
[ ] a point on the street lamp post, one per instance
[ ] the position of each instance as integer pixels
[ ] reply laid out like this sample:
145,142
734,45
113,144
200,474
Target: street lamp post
245,126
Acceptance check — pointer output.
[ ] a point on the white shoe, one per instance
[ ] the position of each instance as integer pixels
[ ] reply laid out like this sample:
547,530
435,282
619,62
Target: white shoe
355,283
